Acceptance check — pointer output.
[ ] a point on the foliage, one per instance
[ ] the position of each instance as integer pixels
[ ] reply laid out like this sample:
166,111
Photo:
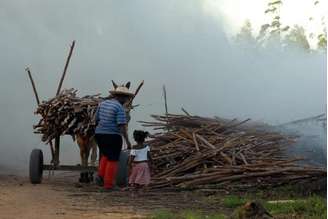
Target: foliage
245,33
275,31
313,207
322,41
233,201
297,37
164,214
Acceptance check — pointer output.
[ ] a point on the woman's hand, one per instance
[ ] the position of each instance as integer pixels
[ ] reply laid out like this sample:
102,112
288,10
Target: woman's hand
128,143
124,132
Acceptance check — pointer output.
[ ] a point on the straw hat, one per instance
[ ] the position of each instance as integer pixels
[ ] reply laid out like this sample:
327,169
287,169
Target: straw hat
121,90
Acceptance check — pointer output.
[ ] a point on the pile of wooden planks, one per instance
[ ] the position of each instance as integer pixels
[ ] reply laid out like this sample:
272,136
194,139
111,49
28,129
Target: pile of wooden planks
195,152
67,114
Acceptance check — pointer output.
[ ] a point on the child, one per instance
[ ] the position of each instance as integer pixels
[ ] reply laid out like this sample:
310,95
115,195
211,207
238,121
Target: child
140,161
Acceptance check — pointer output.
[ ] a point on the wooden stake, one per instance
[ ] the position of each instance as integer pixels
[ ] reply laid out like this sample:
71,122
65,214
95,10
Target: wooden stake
135,94
38,102
185,111
65,69
165,100
195,140
33,85
138,89
57,139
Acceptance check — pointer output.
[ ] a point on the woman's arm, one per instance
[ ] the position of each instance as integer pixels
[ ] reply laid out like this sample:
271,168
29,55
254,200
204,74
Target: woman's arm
97,115
124,132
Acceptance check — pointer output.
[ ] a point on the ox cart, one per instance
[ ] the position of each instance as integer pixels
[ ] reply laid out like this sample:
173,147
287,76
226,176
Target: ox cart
68,114
37,168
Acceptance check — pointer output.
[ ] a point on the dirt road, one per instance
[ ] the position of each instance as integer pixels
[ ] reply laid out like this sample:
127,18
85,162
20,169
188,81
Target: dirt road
61,197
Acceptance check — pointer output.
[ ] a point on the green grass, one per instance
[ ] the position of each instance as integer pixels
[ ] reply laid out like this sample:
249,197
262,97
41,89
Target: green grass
313,207
165,214
233,201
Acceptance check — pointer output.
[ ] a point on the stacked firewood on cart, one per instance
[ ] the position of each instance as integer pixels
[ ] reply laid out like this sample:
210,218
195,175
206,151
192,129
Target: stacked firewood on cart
197,152
67,114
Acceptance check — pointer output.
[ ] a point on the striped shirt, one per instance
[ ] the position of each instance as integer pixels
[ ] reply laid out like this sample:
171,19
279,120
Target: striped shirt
110,114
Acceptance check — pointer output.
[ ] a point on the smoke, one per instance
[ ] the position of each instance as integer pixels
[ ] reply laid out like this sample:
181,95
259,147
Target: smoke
175,43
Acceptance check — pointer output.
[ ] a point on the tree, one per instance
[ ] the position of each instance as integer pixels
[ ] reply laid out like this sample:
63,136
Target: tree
246,33
322,37
322,41
297,37
274,29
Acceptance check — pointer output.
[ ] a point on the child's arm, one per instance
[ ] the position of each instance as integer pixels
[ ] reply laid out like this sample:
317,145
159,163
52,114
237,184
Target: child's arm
130,161
131,158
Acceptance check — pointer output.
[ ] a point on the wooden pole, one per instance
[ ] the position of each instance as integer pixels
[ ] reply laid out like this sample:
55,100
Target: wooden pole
135,94
65,68
185,111
57,138
38,102
33,85
166,110
165,100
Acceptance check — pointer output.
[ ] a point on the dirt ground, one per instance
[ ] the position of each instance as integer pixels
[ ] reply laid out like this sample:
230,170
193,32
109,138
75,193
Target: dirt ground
59,196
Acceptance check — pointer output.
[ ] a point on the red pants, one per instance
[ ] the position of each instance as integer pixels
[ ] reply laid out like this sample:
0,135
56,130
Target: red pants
108,170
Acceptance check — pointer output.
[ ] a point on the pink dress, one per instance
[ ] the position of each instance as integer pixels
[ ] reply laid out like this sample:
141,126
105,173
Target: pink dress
140,173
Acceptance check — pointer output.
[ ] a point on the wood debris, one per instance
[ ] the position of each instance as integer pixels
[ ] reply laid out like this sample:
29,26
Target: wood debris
194,152
67,114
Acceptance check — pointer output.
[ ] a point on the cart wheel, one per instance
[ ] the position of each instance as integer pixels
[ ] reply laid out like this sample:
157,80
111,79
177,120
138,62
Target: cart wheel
36,166
122,175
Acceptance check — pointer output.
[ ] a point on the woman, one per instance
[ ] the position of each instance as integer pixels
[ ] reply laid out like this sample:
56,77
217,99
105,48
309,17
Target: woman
111,126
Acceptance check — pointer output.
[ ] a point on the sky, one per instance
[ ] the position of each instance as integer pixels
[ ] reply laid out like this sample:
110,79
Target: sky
177,43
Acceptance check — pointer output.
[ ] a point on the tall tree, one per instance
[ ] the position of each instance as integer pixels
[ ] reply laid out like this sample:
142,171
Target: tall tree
297,37
246,33
322,37
273,29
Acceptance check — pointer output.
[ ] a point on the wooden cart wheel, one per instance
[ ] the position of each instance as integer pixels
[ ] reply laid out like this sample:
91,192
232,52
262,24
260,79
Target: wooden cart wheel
122,173
36,166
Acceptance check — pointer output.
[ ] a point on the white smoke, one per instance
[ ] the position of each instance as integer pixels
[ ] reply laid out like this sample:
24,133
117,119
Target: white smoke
162,42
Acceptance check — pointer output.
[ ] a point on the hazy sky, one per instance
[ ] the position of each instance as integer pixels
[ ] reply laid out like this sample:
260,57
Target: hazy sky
176,43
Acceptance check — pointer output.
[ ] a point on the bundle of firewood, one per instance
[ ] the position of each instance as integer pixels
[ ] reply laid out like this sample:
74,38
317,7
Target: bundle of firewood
197,152
67,114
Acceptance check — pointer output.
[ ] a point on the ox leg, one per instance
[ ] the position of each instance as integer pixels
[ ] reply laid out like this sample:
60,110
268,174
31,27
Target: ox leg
84,163
93,155
89,174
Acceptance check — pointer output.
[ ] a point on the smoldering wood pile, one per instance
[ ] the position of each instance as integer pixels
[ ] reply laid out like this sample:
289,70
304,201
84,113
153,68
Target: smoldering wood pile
198,152
67,114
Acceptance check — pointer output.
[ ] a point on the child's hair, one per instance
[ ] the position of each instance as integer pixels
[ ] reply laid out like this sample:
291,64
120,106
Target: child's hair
139,135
